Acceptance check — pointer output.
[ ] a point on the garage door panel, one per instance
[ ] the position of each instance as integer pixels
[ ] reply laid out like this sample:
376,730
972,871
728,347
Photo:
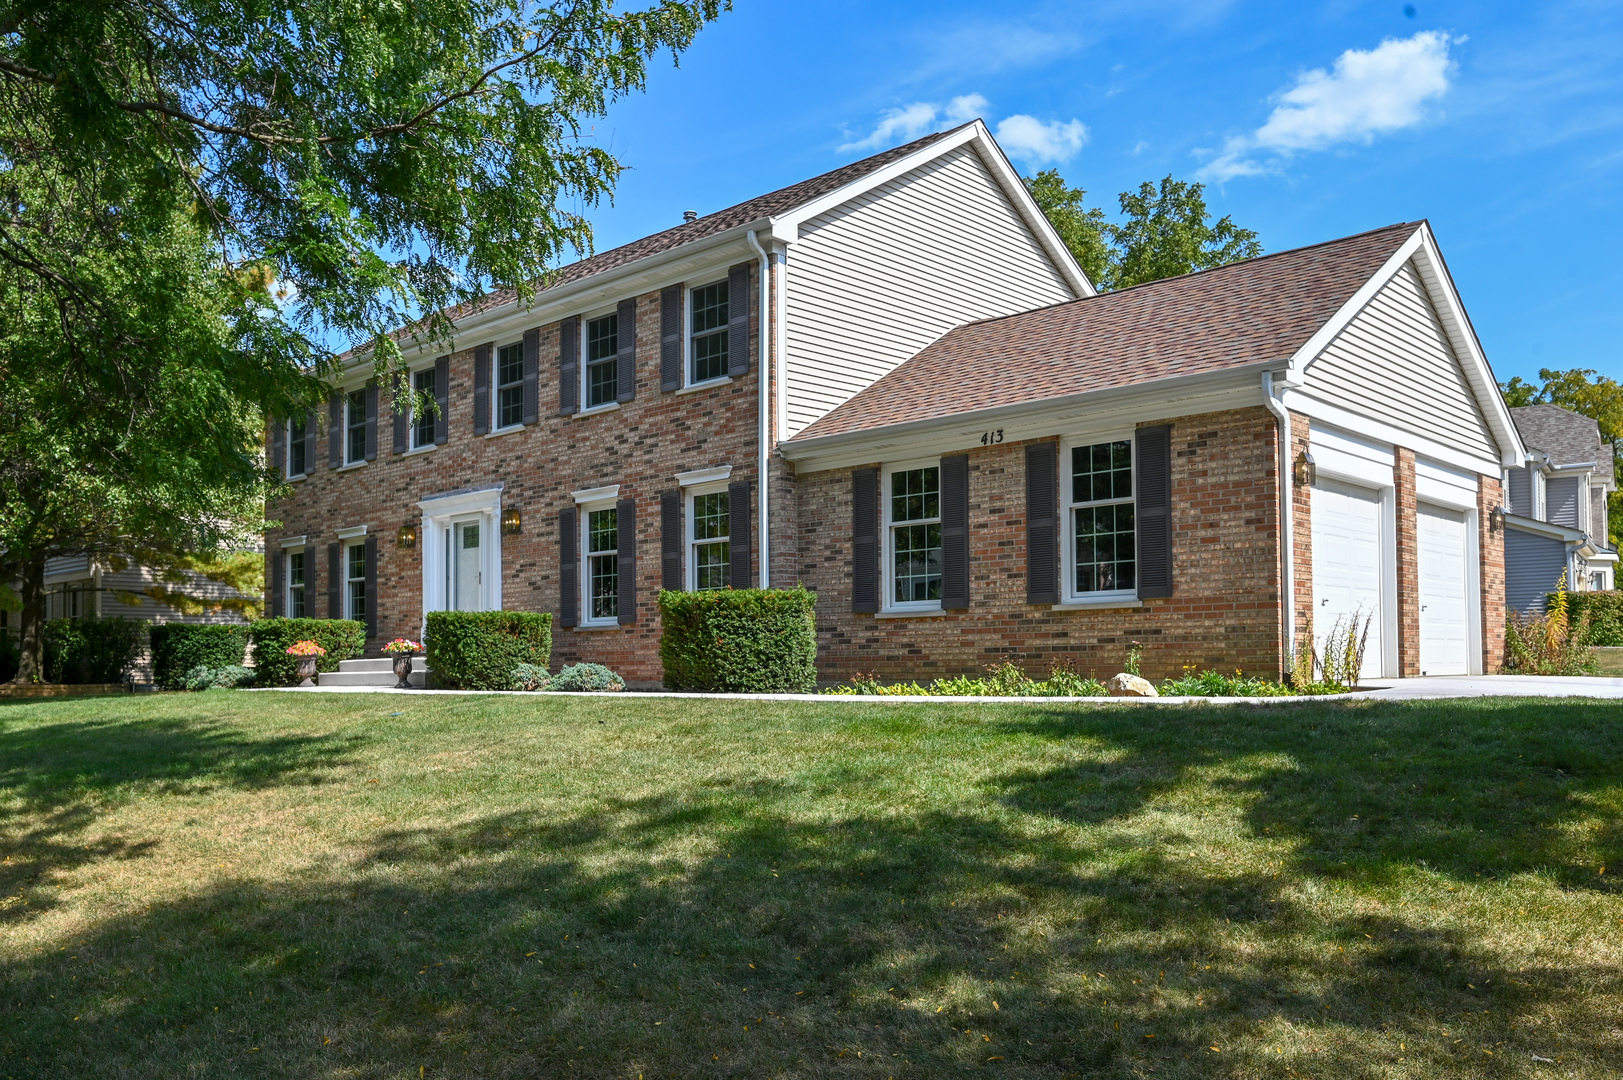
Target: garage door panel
1443,563
1347,558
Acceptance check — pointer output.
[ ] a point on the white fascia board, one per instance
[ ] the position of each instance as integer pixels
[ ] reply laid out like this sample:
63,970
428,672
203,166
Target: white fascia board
1545,528
1327,333
465,500
1305,403
1075,414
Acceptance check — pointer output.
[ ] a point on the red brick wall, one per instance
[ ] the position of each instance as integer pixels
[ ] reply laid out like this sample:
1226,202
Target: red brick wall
640,446
1224,612
1302,526
1407,507
1491,560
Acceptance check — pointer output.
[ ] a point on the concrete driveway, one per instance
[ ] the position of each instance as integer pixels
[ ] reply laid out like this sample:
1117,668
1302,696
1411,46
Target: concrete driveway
1455,686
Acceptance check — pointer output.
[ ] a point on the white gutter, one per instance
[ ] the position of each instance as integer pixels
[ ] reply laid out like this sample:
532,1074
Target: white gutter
763,377
1287,547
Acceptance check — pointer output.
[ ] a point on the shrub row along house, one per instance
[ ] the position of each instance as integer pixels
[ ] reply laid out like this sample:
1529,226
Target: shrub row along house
892,383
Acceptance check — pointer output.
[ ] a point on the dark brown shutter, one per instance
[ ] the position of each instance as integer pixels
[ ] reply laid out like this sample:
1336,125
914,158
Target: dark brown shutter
312,581
955,532
625,361
670,338
310,426
278,447
278,565
335,431
738,534
568,366
625,533
532,375
371,586
865,540
1154,512
1042,532
568,569
738,320
442,399
400,410
481,389
671,541
335,581
371,421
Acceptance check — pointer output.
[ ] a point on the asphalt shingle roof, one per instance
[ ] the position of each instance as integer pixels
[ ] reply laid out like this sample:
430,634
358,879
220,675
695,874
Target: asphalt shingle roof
1254,311
1569,438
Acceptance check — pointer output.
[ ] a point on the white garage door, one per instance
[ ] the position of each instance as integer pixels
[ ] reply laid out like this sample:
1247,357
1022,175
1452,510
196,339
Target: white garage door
1347,547
1445,623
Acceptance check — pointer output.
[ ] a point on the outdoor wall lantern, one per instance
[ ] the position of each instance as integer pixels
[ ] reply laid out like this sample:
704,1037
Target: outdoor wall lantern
1304,472
407,536
512,522
1496,520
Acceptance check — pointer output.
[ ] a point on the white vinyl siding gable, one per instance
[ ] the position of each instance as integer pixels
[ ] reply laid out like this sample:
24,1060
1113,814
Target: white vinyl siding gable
876,279
1393,363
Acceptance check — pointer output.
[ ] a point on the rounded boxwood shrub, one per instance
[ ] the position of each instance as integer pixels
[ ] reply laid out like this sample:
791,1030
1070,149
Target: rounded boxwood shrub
91,650
586,677
229,677
344,639
478,650
759,641
179,647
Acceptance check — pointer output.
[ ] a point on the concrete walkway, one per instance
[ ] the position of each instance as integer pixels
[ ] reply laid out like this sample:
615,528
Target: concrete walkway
1461,686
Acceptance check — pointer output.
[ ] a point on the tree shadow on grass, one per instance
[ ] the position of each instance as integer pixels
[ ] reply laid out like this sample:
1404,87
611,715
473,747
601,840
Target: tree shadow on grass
712,932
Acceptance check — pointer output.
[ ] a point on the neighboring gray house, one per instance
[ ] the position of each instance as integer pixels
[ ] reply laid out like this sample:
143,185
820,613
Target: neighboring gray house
1556,504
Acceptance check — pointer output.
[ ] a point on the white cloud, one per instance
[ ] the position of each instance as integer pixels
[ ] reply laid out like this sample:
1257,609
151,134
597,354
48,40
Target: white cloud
1029,139
897,126
1369,92
966,107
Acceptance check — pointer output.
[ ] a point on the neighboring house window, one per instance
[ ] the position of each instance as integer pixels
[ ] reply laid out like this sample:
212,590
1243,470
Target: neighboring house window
1100,507
355,426
296,465
709,553
602,367
355,582
422,420
913,537
707,328
295,585
510,386
602,566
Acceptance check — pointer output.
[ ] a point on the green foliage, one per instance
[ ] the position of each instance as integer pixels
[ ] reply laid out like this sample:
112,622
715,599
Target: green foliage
478,650
91,650
1194,683
1591,394
1551,642
586,677
1603,612
344,639
1001,680
531,677
177,648
229,677
1084,231
761,641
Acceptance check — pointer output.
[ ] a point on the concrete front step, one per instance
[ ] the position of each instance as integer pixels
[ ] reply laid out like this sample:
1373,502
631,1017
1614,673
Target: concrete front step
373,671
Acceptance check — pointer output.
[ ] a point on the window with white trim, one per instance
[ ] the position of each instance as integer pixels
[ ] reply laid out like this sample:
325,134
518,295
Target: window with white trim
1101,532
912,504
296,465
355,582
601,554
296,579
602,368
710,560
422,420
355,426
707,332
508,400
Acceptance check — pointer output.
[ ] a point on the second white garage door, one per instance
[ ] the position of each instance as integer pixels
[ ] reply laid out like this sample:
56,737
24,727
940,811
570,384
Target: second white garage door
1444,568
1347,560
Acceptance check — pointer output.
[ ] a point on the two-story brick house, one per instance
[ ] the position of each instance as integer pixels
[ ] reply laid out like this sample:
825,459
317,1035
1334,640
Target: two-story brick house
893,384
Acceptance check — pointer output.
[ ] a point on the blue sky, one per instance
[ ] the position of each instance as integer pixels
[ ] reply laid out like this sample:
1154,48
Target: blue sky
1501,123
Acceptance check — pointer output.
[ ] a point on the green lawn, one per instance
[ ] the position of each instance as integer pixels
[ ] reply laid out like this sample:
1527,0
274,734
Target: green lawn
236,884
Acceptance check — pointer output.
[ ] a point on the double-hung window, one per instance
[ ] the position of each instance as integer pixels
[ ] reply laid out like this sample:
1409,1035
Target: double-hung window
355,582
296,465
1101,538
709,549
913,537
295,584
602,565
509,396
355,427
422,420
602,360
707,333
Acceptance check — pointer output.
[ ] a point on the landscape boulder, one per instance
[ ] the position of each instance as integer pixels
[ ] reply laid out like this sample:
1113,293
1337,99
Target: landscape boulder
1125,685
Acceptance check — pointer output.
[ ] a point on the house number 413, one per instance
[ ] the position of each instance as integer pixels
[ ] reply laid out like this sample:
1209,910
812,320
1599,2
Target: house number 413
991,438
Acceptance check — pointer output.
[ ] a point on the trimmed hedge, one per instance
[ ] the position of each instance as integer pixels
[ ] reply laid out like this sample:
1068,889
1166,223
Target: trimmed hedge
179,647
91,650
478,650
1605,614
760,641
344,639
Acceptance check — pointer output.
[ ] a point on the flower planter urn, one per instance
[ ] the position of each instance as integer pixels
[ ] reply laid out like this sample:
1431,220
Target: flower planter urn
307,670
402,672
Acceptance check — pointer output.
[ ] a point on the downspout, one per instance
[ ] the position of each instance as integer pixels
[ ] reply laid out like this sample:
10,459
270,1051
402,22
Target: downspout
1287,547
763,376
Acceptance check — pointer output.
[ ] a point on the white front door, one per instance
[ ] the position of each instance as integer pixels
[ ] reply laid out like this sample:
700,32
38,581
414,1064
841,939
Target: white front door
1444,568
466,569
1347,538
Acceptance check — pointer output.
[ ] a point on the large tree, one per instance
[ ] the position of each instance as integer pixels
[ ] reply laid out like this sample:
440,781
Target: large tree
1165,230
1589,393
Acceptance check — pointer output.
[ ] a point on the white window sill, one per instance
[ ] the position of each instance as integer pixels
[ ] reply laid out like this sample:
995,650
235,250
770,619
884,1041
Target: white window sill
594,410
299,479
913,613
421,449
694,388
351,465
1096,605
511,429
597,626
